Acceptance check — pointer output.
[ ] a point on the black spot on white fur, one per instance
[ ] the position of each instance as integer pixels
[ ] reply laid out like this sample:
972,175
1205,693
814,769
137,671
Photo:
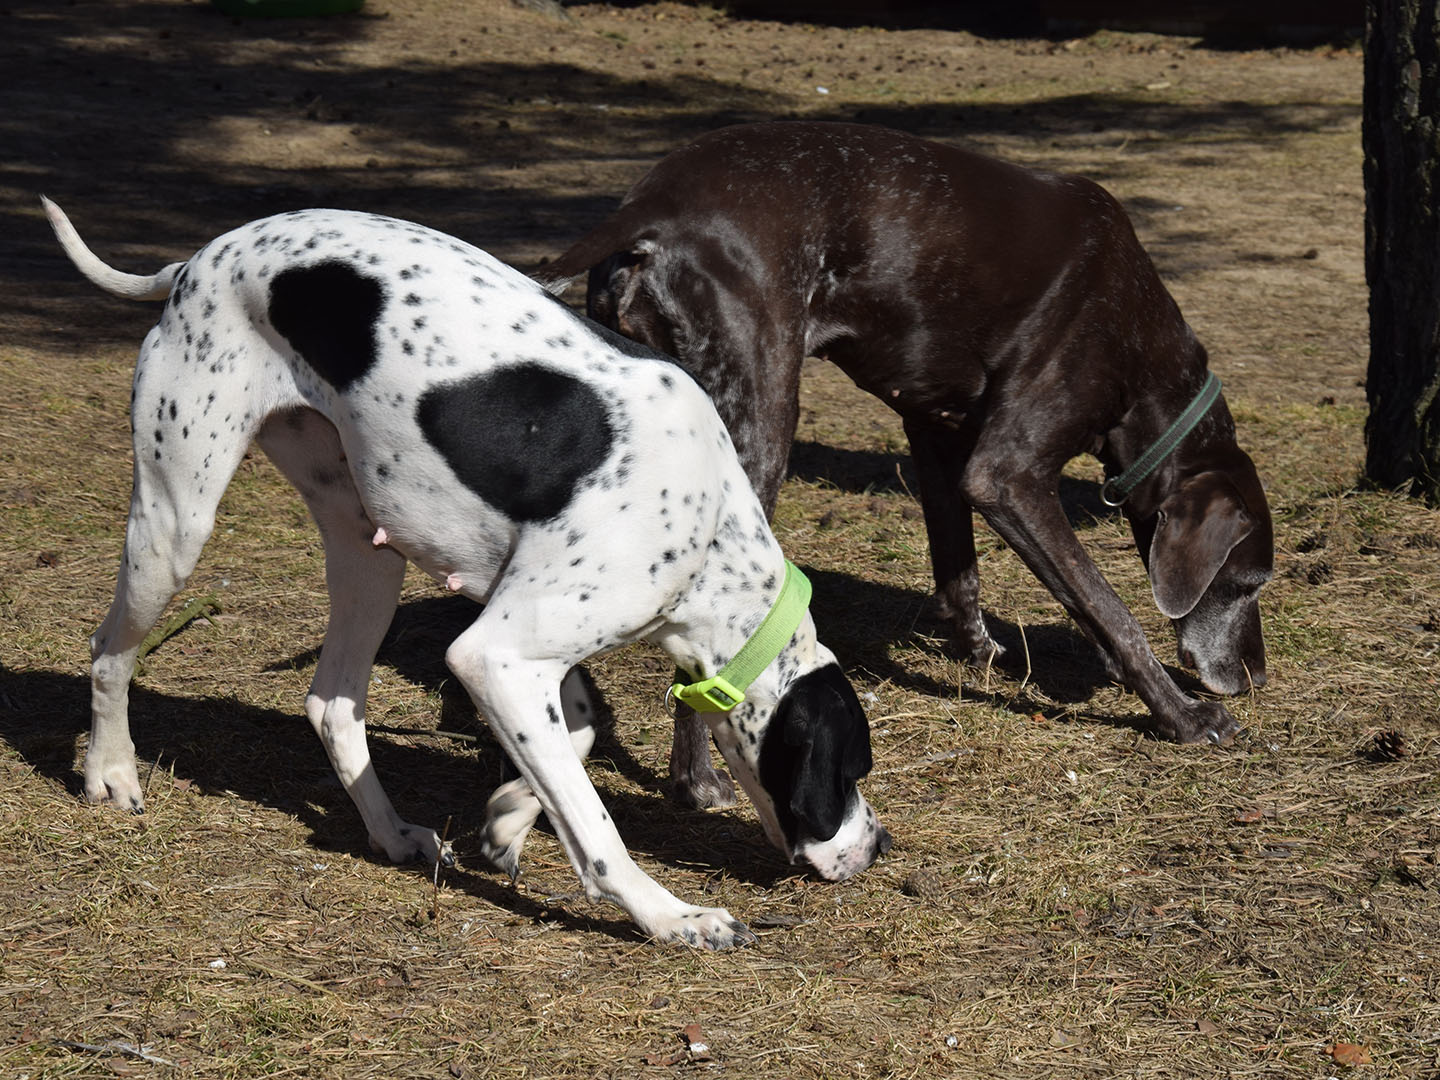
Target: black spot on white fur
329,313
522,437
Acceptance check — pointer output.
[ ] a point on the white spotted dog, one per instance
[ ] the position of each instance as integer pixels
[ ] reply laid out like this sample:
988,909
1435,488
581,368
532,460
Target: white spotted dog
432,404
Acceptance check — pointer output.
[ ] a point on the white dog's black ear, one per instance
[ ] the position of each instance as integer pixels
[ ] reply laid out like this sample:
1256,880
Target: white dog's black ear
826,741
1199,525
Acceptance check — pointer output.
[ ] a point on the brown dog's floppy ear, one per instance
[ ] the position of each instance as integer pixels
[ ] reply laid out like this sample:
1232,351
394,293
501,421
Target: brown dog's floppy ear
1198,527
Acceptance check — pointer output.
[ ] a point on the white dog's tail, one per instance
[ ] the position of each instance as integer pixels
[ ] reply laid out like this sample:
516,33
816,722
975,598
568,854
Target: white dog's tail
129,286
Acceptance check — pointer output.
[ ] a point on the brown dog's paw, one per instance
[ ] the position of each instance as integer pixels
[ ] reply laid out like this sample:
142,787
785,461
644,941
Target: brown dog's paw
981,653
1201,722
704,789
974,645
969,636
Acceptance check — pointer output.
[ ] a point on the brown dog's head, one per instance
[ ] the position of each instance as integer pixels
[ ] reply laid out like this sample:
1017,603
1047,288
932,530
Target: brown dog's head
1211,550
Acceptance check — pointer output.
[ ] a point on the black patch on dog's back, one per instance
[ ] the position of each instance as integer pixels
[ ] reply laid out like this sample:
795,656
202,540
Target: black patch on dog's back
521,437
329,313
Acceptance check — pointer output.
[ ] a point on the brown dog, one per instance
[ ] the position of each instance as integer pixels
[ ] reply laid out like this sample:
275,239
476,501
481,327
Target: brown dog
1009,316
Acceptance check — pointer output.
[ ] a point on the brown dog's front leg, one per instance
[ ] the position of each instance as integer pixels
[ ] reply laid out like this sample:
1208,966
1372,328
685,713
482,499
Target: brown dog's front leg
1027,513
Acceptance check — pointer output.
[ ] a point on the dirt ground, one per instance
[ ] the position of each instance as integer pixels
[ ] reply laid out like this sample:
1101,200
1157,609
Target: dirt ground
1065,897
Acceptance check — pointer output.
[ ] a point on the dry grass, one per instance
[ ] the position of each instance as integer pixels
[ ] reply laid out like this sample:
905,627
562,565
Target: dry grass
1064,898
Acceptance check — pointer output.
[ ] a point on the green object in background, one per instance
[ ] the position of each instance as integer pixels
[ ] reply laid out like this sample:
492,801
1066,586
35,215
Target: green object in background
273,8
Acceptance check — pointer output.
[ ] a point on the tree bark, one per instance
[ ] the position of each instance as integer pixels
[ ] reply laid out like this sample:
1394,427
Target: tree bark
1402,243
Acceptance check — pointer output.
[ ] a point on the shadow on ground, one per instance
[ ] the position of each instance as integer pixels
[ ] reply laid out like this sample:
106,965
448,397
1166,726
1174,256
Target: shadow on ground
123,113
270,757
868,471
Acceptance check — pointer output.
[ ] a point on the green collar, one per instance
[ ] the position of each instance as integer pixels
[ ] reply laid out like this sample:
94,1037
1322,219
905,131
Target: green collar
722,692
1118,488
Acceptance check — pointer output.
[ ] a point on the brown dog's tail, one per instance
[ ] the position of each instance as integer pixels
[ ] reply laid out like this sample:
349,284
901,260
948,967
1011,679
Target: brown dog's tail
631,230
116,282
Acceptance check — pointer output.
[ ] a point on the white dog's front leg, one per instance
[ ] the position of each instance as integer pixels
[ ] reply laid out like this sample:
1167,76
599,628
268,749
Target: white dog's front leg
513,808
521,699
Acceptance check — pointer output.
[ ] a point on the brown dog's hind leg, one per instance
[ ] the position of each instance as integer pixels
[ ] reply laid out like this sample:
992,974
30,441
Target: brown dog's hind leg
949,523
694,780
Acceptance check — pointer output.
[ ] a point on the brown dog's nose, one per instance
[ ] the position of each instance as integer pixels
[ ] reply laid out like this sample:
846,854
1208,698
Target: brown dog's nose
1258,678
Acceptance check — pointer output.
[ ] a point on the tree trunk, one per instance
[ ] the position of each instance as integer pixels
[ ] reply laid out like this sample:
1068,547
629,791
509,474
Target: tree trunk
1402,243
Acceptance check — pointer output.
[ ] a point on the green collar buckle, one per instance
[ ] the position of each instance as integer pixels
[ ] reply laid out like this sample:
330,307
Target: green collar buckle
723,691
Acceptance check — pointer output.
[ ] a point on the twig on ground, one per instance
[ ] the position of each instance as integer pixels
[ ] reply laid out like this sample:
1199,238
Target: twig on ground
1025,644
435,880
197,608
115,1049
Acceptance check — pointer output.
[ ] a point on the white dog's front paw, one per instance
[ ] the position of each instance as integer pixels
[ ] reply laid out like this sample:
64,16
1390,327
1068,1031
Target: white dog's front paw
509,815
114,781
703,928
413,843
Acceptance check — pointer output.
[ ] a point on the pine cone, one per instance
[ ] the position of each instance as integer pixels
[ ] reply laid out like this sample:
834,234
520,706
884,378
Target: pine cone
1391,745
923,885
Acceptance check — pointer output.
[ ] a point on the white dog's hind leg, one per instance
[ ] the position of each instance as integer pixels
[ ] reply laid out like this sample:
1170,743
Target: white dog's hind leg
158,559
520,696
170,519
364,583
513,808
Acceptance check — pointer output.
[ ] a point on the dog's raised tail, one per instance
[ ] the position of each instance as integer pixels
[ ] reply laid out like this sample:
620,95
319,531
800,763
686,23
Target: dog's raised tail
117,282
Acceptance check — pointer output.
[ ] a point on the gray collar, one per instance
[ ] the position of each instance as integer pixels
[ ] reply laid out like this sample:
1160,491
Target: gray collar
1118,488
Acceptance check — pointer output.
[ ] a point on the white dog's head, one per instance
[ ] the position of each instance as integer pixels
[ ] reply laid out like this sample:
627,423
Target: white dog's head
810,755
